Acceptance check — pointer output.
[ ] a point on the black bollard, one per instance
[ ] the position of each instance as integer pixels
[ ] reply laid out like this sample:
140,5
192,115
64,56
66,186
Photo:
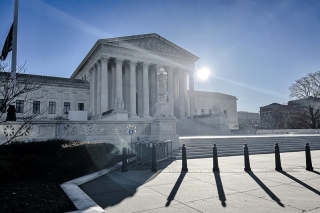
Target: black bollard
308,158
154,158
277,157
215,158
124,167
246,158
184,159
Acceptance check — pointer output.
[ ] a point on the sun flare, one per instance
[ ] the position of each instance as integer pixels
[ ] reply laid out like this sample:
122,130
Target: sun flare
203,73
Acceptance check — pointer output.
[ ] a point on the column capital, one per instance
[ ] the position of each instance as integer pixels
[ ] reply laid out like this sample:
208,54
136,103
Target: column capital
133,63
145,65
91,70
119,61
104,59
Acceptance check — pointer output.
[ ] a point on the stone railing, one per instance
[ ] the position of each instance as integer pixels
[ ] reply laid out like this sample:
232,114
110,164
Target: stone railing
288,131
103,131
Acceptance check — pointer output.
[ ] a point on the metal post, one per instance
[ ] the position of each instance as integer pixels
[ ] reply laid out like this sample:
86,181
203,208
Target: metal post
215,158
246,158
184,158
308,158
124,167
154,159
277,157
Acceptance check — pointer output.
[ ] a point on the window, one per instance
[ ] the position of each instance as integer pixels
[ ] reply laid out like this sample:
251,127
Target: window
36,107
2,106
81,106
19,106
202,111
210,111
66,107
52,107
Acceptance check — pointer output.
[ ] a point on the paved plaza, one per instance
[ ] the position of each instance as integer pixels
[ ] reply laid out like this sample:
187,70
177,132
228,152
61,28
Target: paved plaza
201,190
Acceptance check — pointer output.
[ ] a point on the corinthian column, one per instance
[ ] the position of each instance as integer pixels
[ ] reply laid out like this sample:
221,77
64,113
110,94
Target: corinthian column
133,111
191,93
170,88
119,63
91,92
182,94
95,90
99,88
104,83
145,90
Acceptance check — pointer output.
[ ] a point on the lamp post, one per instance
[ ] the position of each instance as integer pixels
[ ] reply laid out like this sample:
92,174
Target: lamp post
256,127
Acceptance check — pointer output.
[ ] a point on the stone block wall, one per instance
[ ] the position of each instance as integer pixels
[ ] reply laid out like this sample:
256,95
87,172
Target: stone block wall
102,131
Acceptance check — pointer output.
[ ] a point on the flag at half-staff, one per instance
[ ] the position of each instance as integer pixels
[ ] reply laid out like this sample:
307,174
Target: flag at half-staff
7,46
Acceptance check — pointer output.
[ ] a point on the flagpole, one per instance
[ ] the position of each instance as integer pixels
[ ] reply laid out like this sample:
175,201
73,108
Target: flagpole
14,46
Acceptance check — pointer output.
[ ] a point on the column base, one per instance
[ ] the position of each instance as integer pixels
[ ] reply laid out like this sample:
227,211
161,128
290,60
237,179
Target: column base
133,116
147,116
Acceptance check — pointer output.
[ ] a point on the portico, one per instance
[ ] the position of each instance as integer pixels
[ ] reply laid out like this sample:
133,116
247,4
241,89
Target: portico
126,68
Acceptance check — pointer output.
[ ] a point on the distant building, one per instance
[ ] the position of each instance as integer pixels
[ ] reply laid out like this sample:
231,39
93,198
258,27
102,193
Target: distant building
271,116
248,120
297,114
209,102
310,101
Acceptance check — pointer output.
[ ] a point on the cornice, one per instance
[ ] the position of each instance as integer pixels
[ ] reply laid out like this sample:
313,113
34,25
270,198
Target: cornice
108,43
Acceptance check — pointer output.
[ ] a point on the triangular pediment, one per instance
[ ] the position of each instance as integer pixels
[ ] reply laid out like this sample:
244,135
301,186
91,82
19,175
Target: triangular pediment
150,42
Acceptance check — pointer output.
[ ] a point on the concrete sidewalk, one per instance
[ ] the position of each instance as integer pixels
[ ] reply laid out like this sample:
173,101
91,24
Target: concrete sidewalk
201,190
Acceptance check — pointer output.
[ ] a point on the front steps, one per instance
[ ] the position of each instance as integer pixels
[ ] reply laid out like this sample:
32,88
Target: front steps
201,147
191,127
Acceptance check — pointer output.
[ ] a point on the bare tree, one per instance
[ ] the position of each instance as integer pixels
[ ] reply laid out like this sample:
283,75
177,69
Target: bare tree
9,92
306,107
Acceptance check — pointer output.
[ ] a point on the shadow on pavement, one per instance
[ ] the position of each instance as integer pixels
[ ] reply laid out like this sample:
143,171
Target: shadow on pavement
265,188
175,188
316,172
222,196
300,182
112,188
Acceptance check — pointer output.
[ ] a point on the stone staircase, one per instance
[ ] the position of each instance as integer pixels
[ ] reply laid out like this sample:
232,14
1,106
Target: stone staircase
201,147
191,127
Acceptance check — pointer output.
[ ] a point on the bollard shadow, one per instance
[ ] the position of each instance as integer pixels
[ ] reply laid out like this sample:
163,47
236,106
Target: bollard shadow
175,188
265,188
316,172
222,196
111,189
300,182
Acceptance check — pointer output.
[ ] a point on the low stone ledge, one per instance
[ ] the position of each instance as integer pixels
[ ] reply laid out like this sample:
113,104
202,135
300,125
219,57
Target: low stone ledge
80,199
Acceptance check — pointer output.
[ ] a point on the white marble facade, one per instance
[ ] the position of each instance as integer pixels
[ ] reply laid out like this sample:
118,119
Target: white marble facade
127,67
209,102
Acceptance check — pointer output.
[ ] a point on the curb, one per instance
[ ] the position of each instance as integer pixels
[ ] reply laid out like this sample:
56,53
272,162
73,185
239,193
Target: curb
81,200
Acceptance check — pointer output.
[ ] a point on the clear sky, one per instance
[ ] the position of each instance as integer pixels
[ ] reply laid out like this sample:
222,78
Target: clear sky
254,49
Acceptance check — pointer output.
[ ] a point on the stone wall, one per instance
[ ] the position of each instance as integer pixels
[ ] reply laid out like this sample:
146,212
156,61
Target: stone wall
288,131
102,131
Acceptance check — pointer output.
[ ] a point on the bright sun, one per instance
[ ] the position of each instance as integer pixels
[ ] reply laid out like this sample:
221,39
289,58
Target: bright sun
203,73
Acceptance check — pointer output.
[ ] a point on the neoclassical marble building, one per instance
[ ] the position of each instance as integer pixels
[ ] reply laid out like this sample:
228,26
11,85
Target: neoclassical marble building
114,89
127,67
